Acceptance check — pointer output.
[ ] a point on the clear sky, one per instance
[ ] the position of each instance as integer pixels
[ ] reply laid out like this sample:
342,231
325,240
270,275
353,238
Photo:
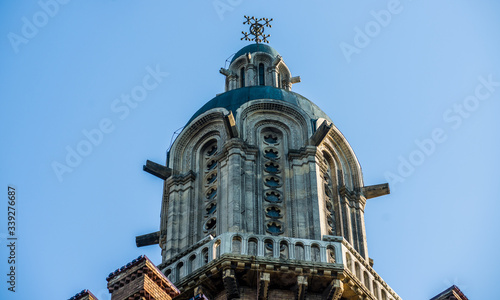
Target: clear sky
413,85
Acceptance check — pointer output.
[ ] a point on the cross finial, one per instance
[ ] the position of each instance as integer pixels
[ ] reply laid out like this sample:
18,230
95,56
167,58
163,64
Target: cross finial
256,29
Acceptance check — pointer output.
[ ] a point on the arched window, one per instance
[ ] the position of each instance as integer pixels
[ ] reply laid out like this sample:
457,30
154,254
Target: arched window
367,280
217,248
330,193
358,270
284,249
315,254
192,264
330,254
252,247
242,77
204,254
208,186
261,74
268,248
180,271
384,295
236,246
168,274
375,289
299,251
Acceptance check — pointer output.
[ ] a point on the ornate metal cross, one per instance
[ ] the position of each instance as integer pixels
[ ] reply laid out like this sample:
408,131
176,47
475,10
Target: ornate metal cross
256,29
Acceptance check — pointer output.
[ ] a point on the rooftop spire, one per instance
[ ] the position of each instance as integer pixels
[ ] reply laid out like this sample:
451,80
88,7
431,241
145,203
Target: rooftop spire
256,29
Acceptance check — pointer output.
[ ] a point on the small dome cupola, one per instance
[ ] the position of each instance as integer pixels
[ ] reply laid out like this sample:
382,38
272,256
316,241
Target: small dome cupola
258,64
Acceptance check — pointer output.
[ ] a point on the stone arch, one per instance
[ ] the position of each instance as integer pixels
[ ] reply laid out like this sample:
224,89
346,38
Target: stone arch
357,270
348,162
269,247
315,253
204,256
168,274
191,264
252,246
236,243
300,251
375,289
366,280
329,185
284,249
291,117
179,271
188,141
330,254
217,249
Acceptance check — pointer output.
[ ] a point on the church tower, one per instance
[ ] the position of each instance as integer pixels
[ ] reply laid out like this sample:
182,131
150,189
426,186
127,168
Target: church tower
263,196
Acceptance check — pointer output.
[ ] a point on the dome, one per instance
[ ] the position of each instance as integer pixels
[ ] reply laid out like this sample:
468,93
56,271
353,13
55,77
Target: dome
252,48
234,99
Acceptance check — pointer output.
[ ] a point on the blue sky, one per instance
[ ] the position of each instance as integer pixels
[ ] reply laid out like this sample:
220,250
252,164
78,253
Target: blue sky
413,85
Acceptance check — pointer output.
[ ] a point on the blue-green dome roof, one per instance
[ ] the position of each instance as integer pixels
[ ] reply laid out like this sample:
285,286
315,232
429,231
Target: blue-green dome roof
233,99
252,48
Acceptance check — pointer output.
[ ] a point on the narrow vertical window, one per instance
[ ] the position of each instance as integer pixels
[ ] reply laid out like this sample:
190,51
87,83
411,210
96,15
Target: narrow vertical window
242,77
261,74
279,80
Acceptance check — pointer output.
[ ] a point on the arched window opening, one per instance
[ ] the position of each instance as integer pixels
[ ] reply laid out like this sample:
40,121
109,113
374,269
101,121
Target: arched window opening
375,289
299,252
384,295
261,74
330,253
315,253
204,255
180,271
168,274
367,280
284,250
330,193
192,264
268,248
252,247
236,246
358,270
242,77
217,248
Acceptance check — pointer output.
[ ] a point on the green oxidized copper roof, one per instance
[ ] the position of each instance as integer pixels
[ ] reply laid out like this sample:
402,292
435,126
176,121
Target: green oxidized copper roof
233,99
252,48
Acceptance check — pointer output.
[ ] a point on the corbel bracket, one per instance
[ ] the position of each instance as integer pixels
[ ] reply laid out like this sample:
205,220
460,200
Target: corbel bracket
320,133
147,239
230,124
377,190
263,285
334,290
301,287
230,284
157,170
